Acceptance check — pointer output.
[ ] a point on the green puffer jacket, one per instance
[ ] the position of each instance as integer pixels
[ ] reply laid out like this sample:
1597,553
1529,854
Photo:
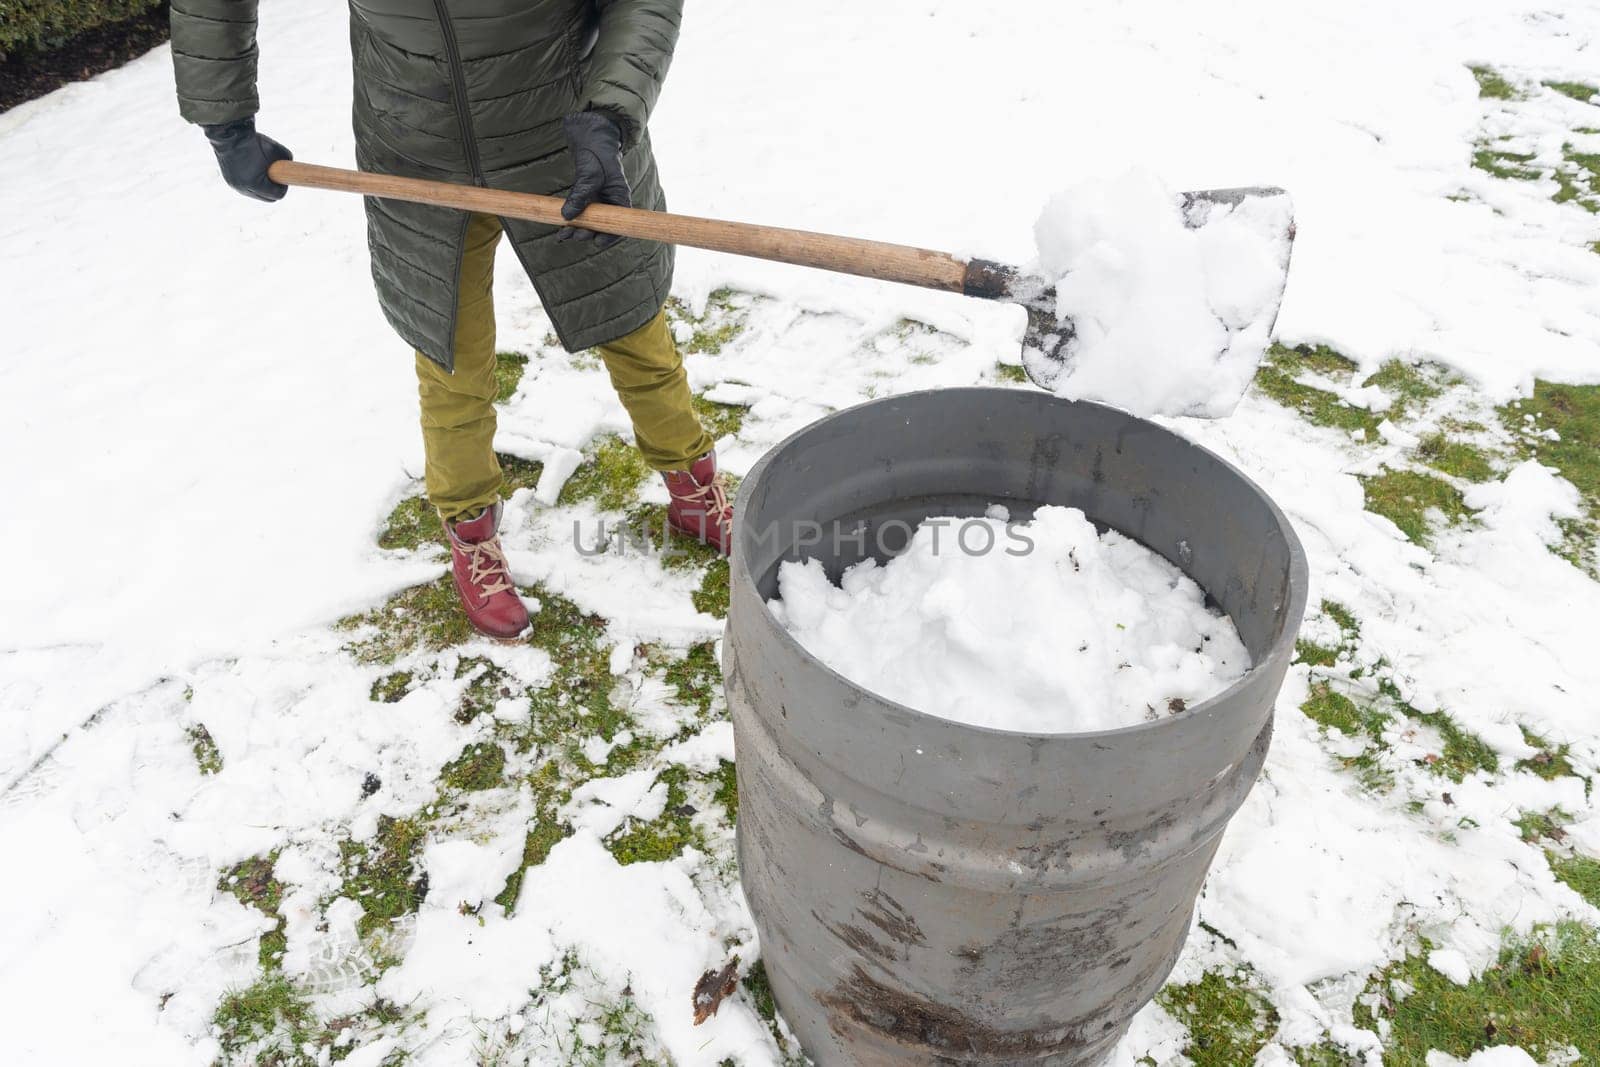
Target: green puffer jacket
474,91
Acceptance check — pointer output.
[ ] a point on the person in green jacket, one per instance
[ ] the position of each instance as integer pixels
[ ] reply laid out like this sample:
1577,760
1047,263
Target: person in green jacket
539,96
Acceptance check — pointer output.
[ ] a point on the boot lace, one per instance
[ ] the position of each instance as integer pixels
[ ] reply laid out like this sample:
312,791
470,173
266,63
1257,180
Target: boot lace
713,499
489,572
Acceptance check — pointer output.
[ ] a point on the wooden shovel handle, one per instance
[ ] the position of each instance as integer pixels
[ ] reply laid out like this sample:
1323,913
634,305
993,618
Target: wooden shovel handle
847,255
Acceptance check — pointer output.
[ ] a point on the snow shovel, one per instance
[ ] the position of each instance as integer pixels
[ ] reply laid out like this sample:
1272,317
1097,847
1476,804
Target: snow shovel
1045,341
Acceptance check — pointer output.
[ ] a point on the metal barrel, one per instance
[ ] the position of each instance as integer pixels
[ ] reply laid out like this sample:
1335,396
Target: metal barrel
932,892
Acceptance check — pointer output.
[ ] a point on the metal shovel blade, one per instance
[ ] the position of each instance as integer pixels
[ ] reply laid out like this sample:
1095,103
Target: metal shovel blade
1047,340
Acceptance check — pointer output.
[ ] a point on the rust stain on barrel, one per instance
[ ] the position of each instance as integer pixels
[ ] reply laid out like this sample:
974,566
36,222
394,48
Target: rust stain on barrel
884,912
943,1033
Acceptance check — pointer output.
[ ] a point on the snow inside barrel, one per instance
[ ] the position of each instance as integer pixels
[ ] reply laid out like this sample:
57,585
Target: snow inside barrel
932,891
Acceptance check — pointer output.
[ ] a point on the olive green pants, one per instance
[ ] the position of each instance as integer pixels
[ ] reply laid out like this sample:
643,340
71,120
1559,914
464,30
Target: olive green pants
458,423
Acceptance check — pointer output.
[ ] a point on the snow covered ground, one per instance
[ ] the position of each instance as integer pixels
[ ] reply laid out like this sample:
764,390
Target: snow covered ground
217,807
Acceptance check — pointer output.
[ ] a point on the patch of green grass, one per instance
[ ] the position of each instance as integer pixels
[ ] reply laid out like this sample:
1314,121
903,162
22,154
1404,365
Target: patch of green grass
412,524
518,473
207,756
1504,164
271,1022
1542,994
647,529
696,677
662,838
274,943
268,1023
759,990
721,323
255,885
1333,710
1574,188
712,596
508,368
545,834
711,339
720,420
1491,86
578,696
1578,91
425,617
1588,161
1344,618
1456,458
1576,175
576,704
1409,499
1010,372
909,332
1277,378
638,748
1370,771
1573,412
1324,1055
1409,385
1228,1019
487,686
1536,826
1321,359
1581,873
727,791
1580,544
1550,762
382,875
1316,655
669,834
617,1033
611,477
1589,165
480,766
625,1026
391,687
1454,424
1464,752
1577,179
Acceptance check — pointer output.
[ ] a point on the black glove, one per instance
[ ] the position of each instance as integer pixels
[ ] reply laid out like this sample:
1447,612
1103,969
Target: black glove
244,156
596,143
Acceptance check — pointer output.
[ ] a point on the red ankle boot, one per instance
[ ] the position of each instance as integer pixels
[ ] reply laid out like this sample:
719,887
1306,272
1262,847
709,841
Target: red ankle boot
700,507
483,580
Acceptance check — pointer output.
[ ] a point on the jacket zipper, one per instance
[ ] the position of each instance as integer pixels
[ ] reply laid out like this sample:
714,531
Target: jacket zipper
469,142
469,139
